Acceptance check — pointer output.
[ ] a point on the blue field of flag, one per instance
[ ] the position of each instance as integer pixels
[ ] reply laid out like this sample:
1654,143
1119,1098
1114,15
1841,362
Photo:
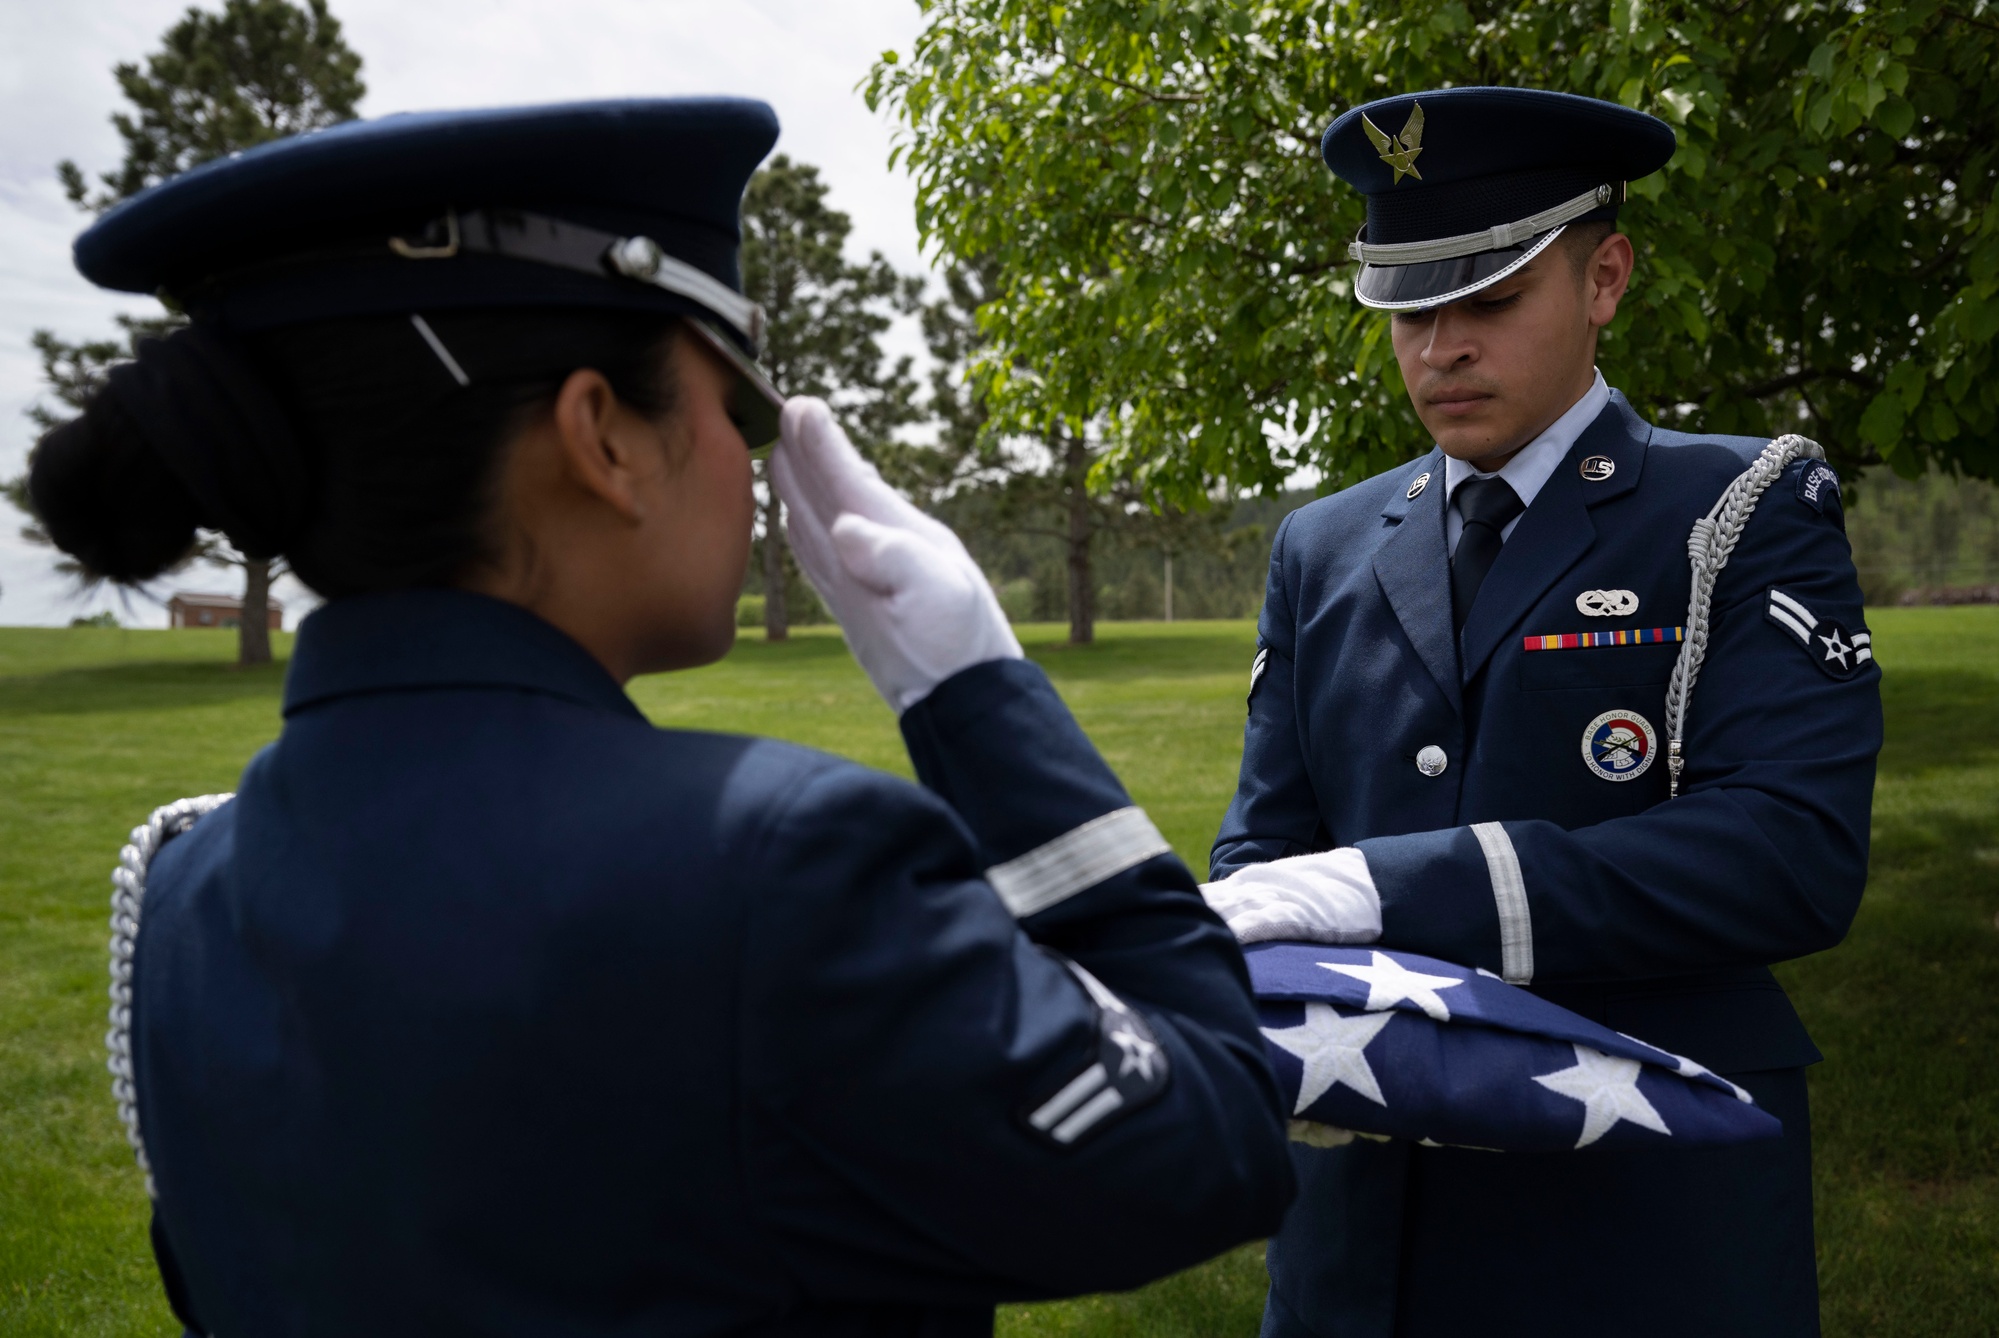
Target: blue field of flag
1399,1045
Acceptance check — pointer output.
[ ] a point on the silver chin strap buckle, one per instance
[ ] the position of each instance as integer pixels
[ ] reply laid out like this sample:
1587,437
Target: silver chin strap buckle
571,246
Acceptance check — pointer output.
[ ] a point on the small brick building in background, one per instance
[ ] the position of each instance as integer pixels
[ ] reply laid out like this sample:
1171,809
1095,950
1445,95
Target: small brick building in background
186,610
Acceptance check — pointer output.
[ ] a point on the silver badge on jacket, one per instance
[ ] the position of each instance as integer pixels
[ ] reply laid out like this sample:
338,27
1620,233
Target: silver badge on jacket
1619,745
1607,603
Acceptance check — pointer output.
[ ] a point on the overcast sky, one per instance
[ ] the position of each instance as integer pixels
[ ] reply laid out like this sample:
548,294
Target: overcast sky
56,95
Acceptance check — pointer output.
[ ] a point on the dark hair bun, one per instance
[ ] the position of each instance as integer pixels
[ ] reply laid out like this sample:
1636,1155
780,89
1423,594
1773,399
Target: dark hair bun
107,499
353,448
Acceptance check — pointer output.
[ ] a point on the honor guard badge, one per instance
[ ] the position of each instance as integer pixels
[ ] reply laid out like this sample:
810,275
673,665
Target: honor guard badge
1836,651
1597,468
1607,603
1416,488
1618,745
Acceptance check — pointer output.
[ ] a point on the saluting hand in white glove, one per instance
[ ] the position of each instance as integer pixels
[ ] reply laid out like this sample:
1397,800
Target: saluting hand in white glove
1328,897
914,606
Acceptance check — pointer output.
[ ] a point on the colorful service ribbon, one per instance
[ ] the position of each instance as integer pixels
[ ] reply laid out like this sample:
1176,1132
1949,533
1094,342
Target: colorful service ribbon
1629,636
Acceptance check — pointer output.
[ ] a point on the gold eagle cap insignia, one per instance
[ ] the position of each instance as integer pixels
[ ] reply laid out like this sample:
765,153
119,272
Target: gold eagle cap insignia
1398,151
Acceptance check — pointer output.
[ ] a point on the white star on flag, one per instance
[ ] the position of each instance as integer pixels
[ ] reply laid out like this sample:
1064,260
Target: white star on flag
1690,1069
1608,1089
1331,1047
1389,983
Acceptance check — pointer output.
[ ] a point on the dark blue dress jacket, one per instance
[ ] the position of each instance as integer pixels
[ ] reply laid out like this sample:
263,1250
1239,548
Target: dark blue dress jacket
1657,918
487,1007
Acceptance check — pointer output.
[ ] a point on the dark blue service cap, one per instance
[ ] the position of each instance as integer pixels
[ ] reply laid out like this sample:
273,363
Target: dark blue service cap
628,205
1466,185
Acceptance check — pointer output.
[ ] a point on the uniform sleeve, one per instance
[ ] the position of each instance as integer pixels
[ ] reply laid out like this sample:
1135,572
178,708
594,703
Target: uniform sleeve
1275,812
949,1104
1762,857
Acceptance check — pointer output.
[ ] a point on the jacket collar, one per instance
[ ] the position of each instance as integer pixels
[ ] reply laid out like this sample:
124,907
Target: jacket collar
1430,471
1414,570
437,638
1529,469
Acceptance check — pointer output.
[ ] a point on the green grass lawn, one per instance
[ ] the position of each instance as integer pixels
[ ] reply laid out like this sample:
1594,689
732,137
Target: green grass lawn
97,726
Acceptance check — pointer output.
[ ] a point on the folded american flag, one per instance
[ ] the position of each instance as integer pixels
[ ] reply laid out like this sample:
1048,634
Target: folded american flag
1391,1044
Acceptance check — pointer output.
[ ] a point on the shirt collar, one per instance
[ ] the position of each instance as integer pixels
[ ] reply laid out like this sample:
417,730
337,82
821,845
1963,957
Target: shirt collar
437,638
1532,464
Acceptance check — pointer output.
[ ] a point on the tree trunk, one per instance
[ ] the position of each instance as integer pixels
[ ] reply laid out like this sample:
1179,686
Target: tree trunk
253,632
1169,585
1082,578
777,624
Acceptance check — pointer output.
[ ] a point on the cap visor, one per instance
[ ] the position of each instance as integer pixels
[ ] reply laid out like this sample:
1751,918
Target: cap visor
1438,282
754,403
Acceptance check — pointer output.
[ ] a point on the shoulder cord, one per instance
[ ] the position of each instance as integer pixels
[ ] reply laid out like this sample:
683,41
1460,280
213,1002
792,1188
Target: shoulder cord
128,895
1713,538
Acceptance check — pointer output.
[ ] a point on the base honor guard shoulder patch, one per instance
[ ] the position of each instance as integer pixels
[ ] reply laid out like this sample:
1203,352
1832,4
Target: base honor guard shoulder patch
1818,487
1837,652
1619,745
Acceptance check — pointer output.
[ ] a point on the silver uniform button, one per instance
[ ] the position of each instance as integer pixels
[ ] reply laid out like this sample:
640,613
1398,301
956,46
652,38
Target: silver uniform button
1431,760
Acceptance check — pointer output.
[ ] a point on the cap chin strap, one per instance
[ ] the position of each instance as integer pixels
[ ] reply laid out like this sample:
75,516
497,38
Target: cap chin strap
552,241
1496,238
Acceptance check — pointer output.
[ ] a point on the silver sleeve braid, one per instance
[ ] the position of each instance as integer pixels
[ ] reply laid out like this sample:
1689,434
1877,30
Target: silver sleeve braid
1713,538
128,896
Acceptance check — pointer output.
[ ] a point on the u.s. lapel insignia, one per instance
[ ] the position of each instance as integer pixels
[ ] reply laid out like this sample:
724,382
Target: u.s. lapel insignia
1618,745
1398,151
1836,651
1416,488
1597,468
1607,603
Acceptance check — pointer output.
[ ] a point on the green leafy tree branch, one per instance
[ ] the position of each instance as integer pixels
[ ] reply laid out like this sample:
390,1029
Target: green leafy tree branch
1171,253
220,83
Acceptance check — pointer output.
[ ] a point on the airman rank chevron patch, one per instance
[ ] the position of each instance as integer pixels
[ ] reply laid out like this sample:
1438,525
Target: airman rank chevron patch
1628,636
1130,1069
1256,668
1838,652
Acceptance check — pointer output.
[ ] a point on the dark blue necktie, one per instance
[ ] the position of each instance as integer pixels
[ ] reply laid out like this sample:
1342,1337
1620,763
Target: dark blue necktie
1487,505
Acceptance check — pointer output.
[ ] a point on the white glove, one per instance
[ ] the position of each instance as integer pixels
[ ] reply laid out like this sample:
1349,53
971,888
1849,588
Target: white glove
1324,898
914,606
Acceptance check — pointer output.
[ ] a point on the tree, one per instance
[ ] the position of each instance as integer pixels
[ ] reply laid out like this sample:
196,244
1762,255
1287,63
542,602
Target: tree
957,408
1032,487
1821,254
220,83
823,321
1037,488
